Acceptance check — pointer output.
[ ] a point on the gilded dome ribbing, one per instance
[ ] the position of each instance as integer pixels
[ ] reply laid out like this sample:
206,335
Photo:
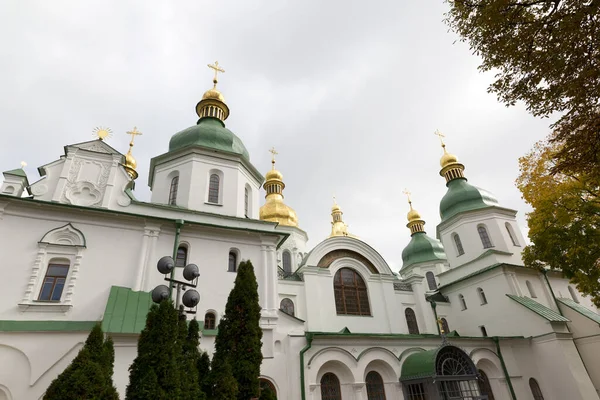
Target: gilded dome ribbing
274,209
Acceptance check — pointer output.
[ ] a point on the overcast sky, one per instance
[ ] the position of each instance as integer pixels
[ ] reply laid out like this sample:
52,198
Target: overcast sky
348,92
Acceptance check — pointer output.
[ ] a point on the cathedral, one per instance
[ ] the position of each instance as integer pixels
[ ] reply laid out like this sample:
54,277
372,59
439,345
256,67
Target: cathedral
462,319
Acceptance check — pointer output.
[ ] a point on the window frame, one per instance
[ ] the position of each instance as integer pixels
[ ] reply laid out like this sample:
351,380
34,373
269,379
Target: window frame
375,386
463,302
288,303
208,315
485,386
530,289
484,236
430,278
411,321
60,263
288,254
212,189
445,325
460,250
482,297
334,385
173,190
186,249
236,254
512,235
247,200
343,290
536,390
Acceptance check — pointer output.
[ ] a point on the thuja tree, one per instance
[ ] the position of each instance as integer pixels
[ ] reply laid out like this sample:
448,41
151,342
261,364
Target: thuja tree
89,376
203,367
238,343
190,358
155,372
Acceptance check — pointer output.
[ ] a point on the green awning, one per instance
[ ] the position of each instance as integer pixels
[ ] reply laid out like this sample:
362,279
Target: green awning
126,310
419,365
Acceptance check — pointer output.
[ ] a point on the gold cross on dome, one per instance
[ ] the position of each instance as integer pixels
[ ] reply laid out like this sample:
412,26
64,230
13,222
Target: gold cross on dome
408,194
273,154
217,69
441,136
133,134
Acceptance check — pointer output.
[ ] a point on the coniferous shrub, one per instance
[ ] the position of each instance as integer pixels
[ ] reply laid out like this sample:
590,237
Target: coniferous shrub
89,376
203,367
190,384
238,342
155,373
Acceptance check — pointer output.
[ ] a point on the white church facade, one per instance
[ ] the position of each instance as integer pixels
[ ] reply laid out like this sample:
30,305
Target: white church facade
462,319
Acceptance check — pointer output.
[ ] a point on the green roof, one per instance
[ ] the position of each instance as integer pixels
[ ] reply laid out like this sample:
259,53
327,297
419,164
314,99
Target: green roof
419,365
539,309
16,172
210,133
462,196
126,310
586,312
422,248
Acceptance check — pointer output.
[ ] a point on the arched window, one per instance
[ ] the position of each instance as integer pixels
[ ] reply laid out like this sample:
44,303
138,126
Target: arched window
173,191
287,261
375,389
535,390
246,201
54,281
511,234
210,320
485,238
573,294
181,259
463,303
330,387
350,292
484,385
213,189
530,289
431,280
459,247
411,321
232,266
445,326
266,385
287,306
481,296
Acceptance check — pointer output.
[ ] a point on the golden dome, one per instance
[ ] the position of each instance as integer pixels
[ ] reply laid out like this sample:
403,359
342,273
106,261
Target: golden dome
413,215
213,94
275,210
447,158
274,174
130,161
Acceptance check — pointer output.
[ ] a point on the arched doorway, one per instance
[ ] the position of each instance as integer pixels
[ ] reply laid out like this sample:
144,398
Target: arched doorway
267,389
443,373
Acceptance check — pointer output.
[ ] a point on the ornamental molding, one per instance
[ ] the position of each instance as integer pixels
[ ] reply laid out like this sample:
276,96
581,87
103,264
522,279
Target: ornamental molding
88,191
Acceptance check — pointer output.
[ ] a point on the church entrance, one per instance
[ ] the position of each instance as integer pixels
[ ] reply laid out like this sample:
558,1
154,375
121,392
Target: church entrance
445,373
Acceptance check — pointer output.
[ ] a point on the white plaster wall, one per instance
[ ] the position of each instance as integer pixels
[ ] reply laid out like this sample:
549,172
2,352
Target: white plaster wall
465,226
194,170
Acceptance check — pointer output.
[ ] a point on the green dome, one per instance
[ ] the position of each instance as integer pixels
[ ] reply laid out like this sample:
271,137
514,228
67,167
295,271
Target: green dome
422,248
462,196
209,133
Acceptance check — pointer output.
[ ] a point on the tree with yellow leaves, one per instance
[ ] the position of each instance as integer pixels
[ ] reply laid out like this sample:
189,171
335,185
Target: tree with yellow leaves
564,226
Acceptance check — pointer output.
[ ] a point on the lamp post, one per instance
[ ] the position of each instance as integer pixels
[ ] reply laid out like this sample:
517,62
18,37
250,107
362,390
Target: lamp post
191,297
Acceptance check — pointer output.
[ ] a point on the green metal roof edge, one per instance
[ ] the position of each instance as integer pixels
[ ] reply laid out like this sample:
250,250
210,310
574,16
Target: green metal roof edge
538,308
210,332
586,312
482,255
401,335
246,162
46,326
472,274
134,215
291,316
16,172
126,310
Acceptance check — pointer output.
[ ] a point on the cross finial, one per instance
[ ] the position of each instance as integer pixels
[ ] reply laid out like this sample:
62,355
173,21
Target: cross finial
408,194
441,136
273,154
217,69
133,134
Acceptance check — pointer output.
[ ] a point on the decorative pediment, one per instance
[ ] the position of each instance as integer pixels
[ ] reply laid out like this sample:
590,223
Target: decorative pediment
96,146
65,236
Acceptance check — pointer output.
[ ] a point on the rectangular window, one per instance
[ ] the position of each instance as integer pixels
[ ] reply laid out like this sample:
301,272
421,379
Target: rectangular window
54,282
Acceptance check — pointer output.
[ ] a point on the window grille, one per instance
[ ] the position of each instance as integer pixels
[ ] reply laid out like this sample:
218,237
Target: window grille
411,321
173,191
213,189
375,388
485,238
330,387
350,292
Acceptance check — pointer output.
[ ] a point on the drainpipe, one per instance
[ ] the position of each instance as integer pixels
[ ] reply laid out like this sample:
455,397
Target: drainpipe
506,375
433,307
309,339
178,225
